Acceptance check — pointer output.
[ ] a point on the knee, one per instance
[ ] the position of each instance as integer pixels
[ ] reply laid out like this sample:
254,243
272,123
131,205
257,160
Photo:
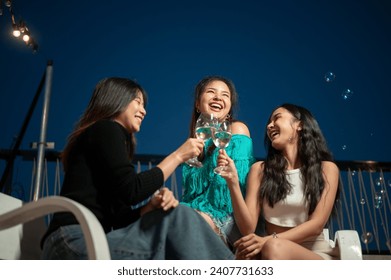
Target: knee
273,249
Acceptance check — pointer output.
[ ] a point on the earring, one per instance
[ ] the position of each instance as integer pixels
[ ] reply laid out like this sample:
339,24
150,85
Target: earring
228,117
198,111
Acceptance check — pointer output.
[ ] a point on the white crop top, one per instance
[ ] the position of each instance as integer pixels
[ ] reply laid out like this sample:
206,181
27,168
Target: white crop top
293,210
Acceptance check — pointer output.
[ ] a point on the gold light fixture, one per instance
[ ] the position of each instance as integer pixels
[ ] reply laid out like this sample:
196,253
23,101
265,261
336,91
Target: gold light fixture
20,29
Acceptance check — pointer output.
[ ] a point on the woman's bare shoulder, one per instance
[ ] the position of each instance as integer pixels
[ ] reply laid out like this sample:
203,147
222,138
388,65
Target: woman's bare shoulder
330,169
239,127
330,166
257,167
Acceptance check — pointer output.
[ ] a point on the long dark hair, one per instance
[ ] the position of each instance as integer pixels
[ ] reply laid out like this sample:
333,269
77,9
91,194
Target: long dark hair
312,150
110,98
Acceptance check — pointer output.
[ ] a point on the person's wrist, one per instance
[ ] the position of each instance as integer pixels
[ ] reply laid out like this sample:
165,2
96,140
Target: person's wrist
178,157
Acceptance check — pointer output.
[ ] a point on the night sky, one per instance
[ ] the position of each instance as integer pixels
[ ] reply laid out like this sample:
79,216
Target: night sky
274,51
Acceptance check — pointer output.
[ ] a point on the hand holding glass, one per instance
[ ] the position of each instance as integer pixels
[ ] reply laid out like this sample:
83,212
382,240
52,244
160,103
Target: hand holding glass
221,138
203,130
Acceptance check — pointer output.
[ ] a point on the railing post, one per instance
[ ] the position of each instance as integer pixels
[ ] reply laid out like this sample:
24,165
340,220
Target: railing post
42,139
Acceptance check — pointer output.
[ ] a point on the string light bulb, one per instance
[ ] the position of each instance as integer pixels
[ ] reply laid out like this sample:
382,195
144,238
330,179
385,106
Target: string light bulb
26,37
16,32
19,30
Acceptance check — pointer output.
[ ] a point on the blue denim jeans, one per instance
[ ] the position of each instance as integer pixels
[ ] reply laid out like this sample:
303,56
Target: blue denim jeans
178,234
228,230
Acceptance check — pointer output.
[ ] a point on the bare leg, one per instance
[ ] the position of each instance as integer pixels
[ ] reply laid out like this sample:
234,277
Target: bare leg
282,249
209,220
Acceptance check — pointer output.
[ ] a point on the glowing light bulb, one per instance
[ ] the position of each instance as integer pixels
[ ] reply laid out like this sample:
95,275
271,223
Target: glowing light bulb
16,33
26,37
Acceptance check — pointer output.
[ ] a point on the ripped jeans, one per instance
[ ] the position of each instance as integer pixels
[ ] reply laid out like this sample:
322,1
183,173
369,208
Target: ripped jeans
228,230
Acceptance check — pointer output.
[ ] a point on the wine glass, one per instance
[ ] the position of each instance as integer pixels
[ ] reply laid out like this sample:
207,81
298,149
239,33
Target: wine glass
204,128
221,138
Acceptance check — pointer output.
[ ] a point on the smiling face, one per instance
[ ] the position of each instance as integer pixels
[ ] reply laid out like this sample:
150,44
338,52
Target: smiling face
134,114
283,128
215,99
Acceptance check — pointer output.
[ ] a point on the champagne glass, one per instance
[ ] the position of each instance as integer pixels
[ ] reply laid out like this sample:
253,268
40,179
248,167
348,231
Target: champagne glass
204,128
221,138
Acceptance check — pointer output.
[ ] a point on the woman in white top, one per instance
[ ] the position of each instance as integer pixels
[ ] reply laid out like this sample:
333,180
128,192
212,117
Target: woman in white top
294,190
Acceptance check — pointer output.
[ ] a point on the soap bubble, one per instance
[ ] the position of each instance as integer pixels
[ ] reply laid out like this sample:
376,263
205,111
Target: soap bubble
329,77
379,181
347,94
367,237
379,201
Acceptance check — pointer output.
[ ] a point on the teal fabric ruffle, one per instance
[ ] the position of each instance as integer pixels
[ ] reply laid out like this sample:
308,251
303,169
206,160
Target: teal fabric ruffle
208,192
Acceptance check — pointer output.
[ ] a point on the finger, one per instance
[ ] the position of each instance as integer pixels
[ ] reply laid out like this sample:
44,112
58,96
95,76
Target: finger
245,247
237,243
241,240
167,200
227,158
172,204
222,161
253,254
252,250
165,193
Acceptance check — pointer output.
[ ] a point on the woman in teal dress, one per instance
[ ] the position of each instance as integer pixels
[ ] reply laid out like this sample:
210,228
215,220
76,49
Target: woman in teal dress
205,191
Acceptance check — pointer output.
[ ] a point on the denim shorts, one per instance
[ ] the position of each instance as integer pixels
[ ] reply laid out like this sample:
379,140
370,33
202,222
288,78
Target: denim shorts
228,230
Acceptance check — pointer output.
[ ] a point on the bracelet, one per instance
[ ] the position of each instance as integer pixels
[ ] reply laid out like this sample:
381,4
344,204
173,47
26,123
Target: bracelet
275,235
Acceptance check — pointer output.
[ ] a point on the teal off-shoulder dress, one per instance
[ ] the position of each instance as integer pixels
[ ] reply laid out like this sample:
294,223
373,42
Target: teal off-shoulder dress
208,192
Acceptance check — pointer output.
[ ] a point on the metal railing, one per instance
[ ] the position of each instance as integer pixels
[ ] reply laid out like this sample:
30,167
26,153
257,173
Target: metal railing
364,203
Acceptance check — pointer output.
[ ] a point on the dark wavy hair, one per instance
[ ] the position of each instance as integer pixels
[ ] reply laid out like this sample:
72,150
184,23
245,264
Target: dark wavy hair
312,150
110,98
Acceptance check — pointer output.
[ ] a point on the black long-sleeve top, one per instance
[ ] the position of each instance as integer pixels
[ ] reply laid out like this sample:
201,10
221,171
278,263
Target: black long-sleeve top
100,176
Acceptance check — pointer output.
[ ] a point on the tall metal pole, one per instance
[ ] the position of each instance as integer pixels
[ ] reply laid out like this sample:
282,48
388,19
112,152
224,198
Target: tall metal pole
42,138
6,179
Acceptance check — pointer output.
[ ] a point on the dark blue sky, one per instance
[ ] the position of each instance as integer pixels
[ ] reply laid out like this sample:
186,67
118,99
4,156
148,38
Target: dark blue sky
274,51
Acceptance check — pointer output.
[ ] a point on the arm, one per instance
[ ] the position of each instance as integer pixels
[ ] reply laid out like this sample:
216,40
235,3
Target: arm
108,145
246,212
191,148
252,196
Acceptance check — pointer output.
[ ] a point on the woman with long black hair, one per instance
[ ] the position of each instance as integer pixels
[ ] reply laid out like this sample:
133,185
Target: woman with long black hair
100,175
293,190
